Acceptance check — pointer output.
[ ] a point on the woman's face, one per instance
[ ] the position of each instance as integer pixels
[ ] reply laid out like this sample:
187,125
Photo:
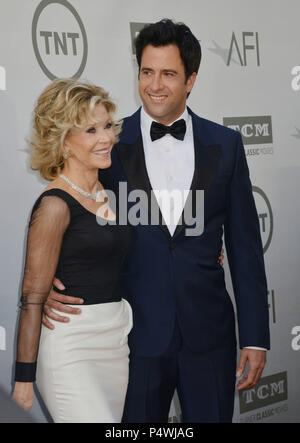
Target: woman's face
91,146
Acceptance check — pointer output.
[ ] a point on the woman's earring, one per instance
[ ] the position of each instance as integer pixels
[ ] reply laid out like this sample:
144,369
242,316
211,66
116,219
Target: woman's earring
65,155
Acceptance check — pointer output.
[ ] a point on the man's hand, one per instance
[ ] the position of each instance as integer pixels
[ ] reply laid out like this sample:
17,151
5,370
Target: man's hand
221,257
56,301
256,360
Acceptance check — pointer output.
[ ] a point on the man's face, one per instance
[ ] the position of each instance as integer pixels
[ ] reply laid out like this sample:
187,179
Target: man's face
162,85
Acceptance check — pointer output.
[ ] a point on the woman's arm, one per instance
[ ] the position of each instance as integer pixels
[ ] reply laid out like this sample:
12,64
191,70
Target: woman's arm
45,234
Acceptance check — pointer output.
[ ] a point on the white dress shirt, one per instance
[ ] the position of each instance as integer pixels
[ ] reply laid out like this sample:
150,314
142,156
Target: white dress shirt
170,166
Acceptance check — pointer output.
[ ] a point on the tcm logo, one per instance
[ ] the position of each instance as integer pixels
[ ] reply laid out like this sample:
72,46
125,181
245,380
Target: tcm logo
59,39
296,339
296,80
265,215
269,390
2,339
135,29
243,49
2,79
254,130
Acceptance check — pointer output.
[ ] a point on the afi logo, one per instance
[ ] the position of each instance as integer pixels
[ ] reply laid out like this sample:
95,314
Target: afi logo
296,79
241,46
135,29
271,293
2,79
297,135
2,339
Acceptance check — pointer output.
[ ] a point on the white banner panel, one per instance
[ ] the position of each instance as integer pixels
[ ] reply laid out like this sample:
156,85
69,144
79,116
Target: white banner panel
249,79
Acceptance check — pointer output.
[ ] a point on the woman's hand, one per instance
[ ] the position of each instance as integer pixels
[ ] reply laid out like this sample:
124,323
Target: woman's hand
23,395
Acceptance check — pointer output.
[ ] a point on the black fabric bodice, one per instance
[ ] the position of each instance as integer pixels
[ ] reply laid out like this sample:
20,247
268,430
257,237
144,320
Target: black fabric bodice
91,255
66,241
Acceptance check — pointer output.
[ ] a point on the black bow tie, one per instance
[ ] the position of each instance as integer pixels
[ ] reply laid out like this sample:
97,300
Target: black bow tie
177,130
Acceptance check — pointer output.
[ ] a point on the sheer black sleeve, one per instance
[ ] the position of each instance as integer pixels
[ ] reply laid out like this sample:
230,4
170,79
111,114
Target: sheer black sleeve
45,234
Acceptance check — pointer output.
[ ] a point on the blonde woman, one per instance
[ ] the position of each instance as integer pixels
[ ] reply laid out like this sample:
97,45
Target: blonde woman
81,367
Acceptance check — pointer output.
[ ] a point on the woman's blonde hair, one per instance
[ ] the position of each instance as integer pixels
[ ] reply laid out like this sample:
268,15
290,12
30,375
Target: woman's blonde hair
65,103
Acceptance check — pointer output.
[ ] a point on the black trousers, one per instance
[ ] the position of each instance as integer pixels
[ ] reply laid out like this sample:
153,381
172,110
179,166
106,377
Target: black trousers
205,384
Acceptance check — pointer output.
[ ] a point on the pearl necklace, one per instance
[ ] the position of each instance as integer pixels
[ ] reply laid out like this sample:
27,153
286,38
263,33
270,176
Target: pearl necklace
81,191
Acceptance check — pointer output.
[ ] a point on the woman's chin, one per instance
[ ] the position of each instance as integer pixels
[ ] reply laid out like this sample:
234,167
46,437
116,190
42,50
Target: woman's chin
104,164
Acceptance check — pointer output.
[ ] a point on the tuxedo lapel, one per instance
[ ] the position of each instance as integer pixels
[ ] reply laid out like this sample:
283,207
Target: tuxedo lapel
206,164
131,154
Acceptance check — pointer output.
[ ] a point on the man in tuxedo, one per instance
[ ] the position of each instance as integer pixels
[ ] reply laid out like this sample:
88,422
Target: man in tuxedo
184,324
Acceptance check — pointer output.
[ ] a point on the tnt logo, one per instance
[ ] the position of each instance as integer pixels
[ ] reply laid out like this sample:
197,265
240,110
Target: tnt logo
2,339
265,215
2,79
296,80
59,39
58,44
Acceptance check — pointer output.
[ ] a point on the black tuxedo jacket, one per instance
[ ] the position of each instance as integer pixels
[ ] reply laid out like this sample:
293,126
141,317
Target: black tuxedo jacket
167,277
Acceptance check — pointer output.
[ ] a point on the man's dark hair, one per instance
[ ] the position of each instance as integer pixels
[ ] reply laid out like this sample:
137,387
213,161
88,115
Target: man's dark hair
166,32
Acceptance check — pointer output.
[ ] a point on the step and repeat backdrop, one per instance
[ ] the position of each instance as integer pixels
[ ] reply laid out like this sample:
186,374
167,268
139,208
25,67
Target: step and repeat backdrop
249,80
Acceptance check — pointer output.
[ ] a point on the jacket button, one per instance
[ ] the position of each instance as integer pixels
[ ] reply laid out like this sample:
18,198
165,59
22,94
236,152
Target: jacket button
172,245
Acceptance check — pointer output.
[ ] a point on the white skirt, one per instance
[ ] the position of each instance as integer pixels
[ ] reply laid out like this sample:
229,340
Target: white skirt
82,369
